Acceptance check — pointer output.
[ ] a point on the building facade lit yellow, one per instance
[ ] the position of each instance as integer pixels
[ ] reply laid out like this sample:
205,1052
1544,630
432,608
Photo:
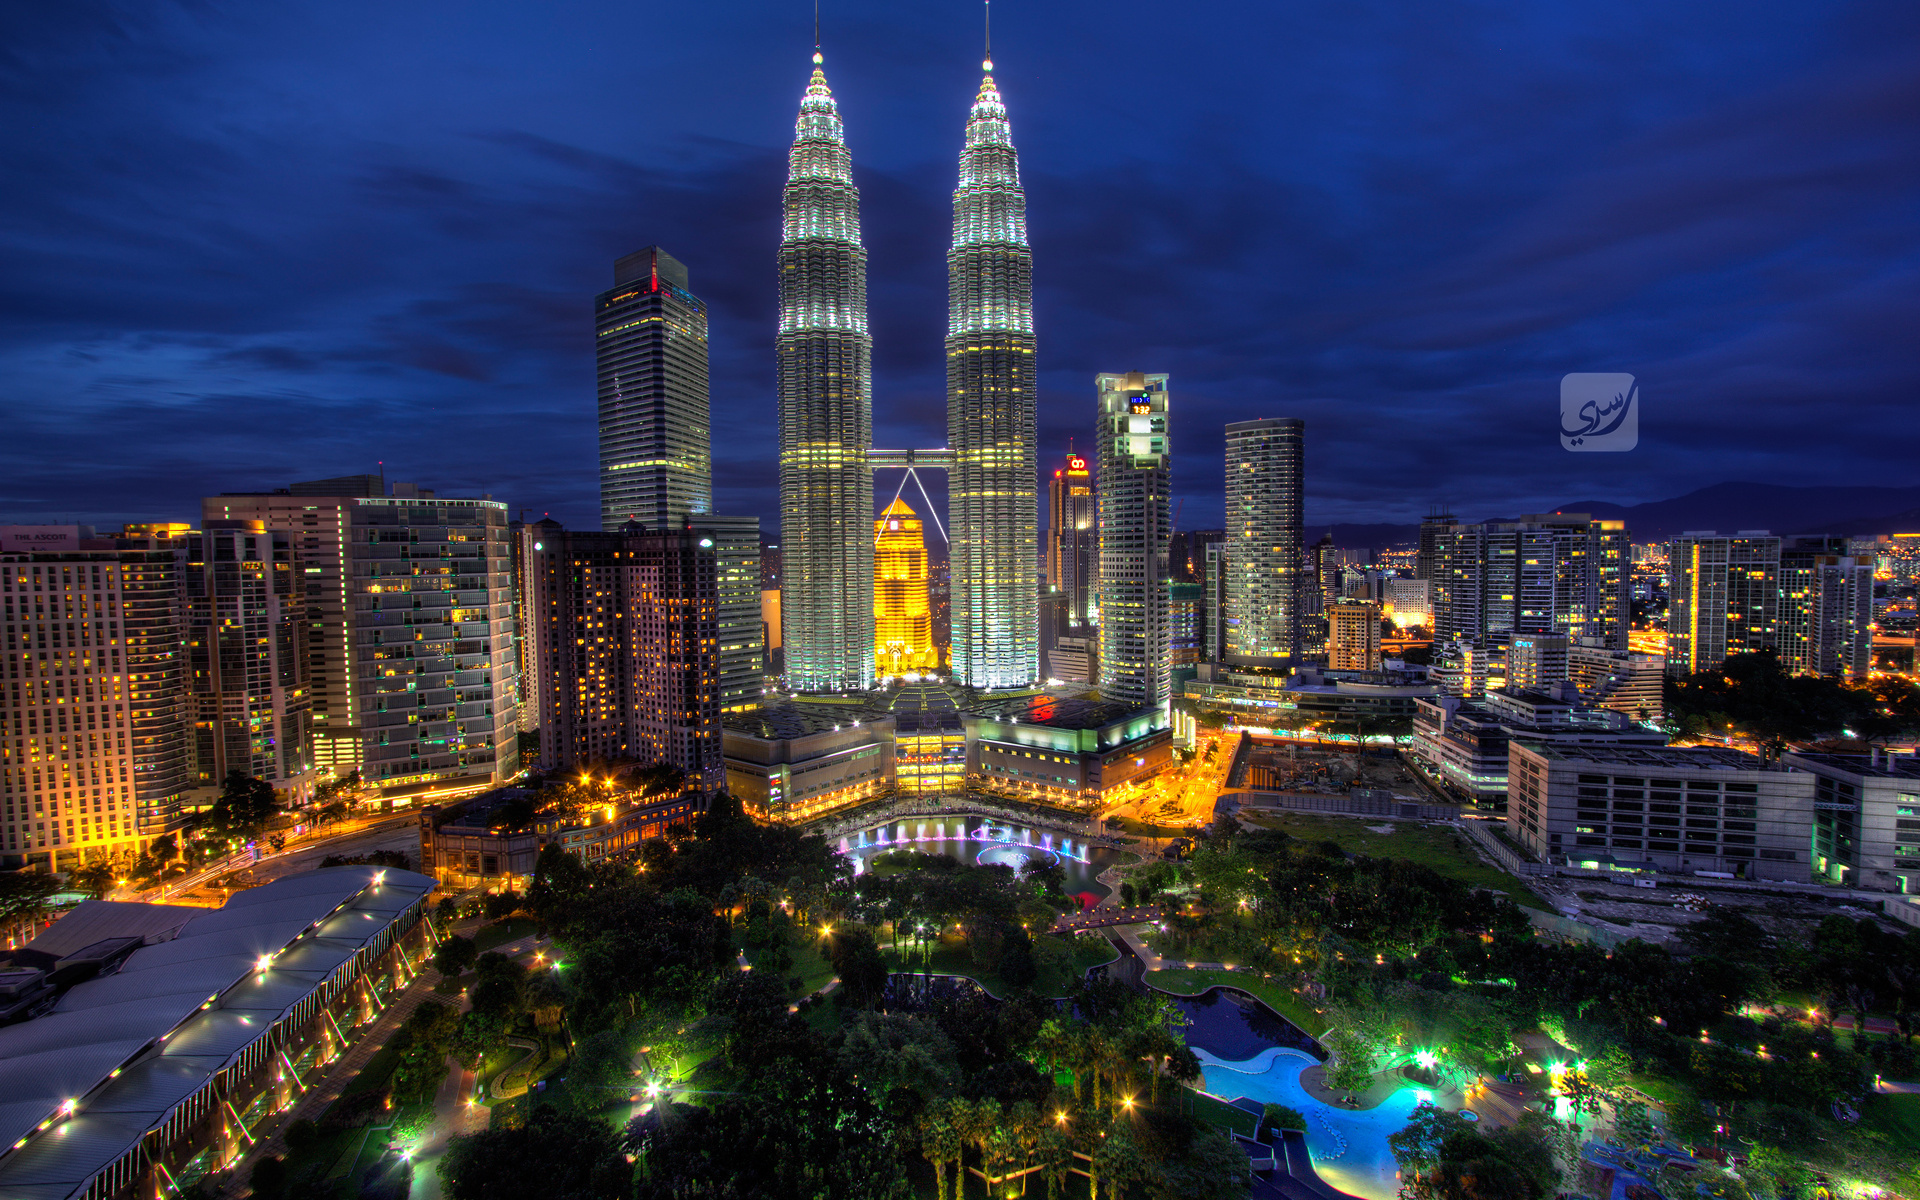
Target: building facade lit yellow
902,618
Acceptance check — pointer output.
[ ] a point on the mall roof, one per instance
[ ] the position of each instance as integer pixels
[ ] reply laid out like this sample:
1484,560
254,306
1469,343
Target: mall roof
794,719
125,1049
1053,711
97,920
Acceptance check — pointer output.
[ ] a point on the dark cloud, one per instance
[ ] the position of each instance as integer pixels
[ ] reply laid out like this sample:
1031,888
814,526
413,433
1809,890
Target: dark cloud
244,246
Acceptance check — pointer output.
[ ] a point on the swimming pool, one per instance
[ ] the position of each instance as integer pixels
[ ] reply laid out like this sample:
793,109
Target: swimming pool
1349,1148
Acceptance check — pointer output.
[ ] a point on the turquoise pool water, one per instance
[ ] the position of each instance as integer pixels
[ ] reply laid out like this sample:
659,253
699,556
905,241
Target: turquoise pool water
1349,1148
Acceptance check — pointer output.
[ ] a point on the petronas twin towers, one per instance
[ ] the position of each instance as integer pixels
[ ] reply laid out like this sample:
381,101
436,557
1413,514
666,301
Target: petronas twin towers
826,411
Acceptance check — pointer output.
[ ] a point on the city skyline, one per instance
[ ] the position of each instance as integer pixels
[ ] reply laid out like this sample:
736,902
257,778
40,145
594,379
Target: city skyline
489,350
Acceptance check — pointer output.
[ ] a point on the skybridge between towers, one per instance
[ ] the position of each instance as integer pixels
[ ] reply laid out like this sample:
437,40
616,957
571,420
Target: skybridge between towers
912,461
894,460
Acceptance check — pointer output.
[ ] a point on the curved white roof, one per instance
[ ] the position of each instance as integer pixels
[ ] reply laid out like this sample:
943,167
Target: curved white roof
127,1048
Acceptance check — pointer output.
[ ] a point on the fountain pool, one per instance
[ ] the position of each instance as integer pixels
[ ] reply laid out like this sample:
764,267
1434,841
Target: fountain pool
989,842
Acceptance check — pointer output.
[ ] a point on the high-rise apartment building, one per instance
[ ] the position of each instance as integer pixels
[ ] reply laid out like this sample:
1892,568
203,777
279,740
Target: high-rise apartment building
1432,526
1353,636
1623,681
992,508
1804,597
1186,623
1723,598
1197,542
826,410
1826,608
1264,481
1411,600
902,616
246,656
1324,563
1536,660
625,647
1550,573
655,447
1135,504
316,515
411,653
1073,546
94,709
743,631
656,461
1213,603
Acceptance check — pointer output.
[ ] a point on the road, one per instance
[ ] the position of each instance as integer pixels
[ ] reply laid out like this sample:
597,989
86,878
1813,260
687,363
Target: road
1184,795
398,832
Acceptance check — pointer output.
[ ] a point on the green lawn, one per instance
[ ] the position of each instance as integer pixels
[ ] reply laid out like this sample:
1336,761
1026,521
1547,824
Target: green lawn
1666,1091
809,965
1218,1112
1182,981
501,932
1896,1116
1436,846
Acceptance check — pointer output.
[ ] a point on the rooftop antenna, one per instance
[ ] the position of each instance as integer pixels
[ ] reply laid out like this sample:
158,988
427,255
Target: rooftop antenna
986,63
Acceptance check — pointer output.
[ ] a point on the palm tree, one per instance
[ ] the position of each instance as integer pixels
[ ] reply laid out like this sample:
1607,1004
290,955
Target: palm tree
1114,1063
1118,1160
1052,1043
1024,1124
1056,1159
1156,1045
941,1144
1076,1052
978,1127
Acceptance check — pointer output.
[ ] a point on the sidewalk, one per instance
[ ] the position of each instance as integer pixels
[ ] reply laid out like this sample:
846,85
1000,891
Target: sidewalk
453,1117
321,1093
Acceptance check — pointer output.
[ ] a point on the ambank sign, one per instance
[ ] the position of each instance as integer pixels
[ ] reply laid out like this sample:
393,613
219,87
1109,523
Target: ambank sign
41,538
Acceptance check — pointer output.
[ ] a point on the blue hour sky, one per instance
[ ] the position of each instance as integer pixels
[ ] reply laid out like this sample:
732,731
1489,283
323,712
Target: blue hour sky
245,243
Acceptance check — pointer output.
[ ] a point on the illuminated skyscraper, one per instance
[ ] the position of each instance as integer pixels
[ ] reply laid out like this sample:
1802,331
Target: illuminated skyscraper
902,618
411,657
826,410
1545,573
247,657
118,602
656,462
1135,503
992,503
1073,547
1353,635
1265,575
625,646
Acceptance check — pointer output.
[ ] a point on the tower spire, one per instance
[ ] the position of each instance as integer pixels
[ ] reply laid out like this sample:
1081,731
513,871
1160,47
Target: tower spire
826,416
992,505
986,7
817,58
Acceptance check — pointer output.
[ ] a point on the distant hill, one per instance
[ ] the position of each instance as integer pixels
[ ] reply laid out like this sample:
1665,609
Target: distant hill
1366,537
1724,507
1728,507
1900,522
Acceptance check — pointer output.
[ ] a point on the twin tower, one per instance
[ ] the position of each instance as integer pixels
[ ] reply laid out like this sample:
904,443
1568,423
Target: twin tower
827,458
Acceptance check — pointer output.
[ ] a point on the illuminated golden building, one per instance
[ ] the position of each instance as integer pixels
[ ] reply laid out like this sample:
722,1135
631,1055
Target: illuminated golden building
902,618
